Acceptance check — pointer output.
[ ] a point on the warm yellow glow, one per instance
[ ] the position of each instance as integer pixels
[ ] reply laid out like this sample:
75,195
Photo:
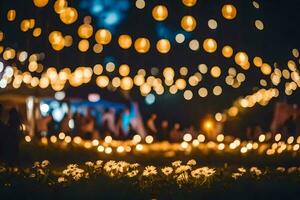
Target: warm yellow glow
103,36
189,3
68,15
125,41
227,51
229,11
163,46
210,45
160,12
142,45
188,23
40,3
85,31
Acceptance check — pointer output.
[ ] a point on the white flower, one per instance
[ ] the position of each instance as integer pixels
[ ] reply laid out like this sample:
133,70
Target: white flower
176,163
280,169
167,170
72,166
98,164
36,164
256,171
66,172
242,170
134,165
61,179
292,169
192,162
45,163
121,166
132,173
182,168
109,165
203,171
196,173
236,175
149,171
89,164
41,172
182,178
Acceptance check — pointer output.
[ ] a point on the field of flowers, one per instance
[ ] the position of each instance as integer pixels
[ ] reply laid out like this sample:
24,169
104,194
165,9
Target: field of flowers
156,171
122,180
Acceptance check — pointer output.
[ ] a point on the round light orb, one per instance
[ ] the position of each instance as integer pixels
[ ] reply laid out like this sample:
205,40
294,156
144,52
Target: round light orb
241,58
98,48
217,90
140,4
266,69
160,12
103,36
215,72
125,41
227,51
83,45
11,15
169,73
59,5
295,53
59,46
257,61
194,45
180,84
37,32
212,24
210,45
163,46
55,37
179,38
142,45
85,31
202,92
259,25
40,3
68,40
188,23
126,83
229,11
188,95
25,25
202,68
189,3
68,15
124,70
102,81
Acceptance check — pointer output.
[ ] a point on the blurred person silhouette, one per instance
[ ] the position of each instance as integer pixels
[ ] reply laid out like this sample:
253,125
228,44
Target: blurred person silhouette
175,133
3,133
64,124
164,131
151,127
13,138
108,122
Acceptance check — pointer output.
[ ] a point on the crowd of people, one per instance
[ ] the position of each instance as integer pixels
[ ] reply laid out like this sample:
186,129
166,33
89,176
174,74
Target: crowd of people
119,125
124,124
10,134
128,122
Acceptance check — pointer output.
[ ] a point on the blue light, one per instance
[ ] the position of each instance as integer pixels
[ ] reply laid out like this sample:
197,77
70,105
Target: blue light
150,99
111,18
107,13
96,9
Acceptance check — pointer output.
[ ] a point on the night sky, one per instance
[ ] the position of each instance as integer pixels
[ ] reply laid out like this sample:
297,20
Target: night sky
281,20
